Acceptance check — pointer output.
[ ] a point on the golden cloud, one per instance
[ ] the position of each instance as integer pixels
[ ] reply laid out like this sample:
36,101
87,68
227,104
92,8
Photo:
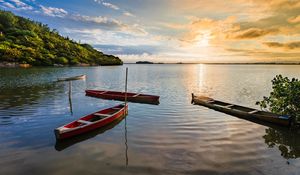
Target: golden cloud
295,19
212,29
254,33
288,46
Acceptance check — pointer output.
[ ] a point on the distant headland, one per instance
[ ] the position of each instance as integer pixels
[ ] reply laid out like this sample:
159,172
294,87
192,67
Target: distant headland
144,62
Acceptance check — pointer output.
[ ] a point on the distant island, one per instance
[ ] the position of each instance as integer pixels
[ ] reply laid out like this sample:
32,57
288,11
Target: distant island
25,42
144,62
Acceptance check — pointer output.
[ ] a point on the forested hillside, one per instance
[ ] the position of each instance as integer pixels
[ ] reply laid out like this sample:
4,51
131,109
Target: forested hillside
28,42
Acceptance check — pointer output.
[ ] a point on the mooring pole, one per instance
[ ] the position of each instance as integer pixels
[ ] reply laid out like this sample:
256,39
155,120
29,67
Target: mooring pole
126,90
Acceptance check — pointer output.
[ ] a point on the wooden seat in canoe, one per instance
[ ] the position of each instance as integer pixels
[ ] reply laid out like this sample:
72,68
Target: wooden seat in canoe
102,115
136,95
252,112
229,106
84,121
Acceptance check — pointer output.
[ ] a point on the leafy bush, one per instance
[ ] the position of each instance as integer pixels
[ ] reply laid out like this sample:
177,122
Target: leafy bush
285,97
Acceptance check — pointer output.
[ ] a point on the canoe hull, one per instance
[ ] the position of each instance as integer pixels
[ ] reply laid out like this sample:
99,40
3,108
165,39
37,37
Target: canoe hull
63,135
120,96
242,114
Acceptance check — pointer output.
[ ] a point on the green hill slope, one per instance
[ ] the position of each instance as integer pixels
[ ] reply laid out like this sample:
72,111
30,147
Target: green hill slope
26,41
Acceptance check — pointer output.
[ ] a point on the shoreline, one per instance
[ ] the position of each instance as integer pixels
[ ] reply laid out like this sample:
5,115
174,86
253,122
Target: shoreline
20,65
225,63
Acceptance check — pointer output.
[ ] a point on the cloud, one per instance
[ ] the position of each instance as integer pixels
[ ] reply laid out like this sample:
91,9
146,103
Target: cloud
16,5
126,13
112,6
54,12
8,5
108,37
253,33
110,24
295,19
206,29
128,49
105,21
289,46
107,4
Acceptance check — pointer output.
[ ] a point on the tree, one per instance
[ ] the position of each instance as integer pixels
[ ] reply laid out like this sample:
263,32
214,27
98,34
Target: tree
285,97
7,19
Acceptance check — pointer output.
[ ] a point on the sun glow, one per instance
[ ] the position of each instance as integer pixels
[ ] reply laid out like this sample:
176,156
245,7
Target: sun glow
203,39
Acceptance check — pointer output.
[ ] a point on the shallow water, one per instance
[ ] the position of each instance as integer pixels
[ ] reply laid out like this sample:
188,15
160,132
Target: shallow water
173,137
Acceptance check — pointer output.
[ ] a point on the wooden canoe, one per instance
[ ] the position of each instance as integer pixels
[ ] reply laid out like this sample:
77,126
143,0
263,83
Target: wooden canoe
65,143
241,111
79,77
91,122
132,97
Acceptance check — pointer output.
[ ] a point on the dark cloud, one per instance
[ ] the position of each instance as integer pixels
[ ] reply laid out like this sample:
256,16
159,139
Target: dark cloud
280,19
255,33
289,46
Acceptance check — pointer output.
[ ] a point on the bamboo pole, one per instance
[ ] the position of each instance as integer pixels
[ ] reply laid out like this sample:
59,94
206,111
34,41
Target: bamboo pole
126,90
126,85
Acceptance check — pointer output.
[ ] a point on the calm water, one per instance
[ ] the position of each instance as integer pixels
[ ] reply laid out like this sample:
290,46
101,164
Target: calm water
173,137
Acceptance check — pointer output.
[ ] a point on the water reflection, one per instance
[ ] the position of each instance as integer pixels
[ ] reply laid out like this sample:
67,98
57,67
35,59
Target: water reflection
286,140
126,145
172,138
25,96
150,102
63,144
70,97
25,100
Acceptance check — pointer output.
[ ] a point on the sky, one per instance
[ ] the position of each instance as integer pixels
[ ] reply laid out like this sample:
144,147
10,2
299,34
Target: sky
189,31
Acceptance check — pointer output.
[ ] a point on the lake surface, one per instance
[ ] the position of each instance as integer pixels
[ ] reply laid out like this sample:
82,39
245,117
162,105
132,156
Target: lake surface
174,137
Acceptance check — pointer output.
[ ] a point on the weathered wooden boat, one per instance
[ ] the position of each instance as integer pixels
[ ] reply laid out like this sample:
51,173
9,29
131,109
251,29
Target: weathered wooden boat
79,77
65,143
241,111
91,122
132,97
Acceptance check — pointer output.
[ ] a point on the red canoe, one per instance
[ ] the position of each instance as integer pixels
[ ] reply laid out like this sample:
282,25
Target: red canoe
132,97
91,122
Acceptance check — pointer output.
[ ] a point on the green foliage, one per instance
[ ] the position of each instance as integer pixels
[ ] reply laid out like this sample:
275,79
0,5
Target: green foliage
285,97
8,19
26,41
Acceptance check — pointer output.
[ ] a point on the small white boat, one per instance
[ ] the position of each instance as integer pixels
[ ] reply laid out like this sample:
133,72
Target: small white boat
79,77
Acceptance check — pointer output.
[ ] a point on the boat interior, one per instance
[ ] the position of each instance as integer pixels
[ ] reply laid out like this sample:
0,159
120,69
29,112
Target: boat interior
95,117
241,108
122,93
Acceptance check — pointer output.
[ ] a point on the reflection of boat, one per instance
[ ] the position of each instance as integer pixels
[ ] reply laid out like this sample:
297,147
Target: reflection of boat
63,144
240,111
132,97
91,121
79,77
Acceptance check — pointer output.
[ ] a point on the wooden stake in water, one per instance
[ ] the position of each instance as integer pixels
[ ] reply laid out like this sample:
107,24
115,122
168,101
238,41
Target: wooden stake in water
126,89
126,150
